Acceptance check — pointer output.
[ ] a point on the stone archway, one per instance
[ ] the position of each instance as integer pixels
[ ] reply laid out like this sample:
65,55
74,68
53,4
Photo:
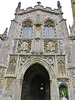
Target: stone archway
36,84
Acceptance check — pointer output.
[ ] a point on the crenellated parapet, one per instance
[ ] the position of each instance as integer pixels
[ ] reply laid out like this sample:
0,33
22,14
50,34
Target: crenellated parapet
41,8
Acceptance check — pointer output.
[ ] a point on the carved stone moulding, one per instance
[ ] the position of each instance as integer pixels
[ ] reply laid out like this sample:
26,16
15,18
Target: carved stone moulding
72,75
63,81
12,65
2,73
61,66
24,46
9,88
51,46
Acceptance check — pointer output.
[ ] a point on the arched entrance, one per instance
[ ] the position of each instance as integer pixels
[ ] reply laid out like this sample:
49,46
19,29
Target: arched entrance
36,85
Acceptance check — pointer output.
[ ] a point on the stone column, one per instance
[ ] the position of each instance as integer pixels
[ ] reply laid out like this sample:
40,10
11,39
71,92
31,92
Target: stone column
33,41
37,46
18,89
70,91
53,88
41,41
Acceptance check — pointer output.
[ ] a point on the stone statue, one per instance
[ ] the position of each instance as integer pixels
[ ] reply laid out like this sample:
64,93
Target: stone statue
58,4
19,5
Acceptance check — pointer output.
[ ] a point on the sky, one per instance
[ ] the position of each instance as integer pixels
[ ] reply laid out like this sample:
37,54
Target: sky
7,10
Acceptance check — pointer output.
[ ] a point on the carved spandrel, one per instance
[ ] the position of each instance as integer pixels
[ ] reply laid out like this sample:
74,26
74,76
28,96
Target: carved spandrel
22,61
24,46
12,65
61,65
51,46
50,60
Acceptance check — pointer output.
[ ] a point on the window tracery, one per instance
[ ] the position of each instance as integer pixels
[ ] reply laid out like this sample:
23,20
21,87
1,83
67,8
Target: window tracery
26,31
49,29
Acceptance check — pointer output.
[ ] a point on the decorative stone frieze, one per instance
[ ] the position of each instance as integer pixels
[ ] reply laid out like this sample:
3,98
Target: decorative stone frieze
51,46
12,65
24,46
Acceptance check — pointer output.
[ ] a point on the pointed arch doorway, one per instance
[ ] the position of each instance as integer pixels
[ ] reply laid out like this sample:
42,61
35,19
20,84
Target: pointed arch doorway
36,84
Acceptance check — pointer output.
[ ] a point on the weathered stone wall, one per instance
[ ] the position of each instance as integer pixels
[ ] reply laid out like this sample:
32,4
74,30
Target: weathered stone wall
54,54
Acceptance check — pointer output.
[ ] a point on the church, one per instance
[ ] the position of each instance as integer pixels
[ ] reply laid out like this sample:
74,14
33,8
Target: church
37,56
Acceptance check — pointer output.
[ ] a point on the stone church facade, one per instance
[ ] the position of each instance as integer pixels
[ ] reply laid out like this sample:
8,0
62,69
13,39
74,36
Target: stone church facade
37,57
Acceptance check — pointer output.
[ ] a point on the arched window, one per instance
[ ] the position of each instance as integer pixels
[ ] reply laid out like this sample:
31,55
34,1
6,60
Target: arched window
49,29
26,30
63,92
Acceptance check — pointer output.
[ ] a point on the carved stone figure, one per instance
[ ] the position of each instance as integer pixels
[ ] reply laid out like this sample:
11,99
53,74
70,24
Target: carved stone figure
19,5
58,4
50,46
24,46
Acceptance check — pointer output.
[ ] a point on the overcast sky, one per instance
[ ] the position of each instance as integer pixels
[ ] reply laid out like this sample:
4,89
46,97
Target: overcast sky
7,10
